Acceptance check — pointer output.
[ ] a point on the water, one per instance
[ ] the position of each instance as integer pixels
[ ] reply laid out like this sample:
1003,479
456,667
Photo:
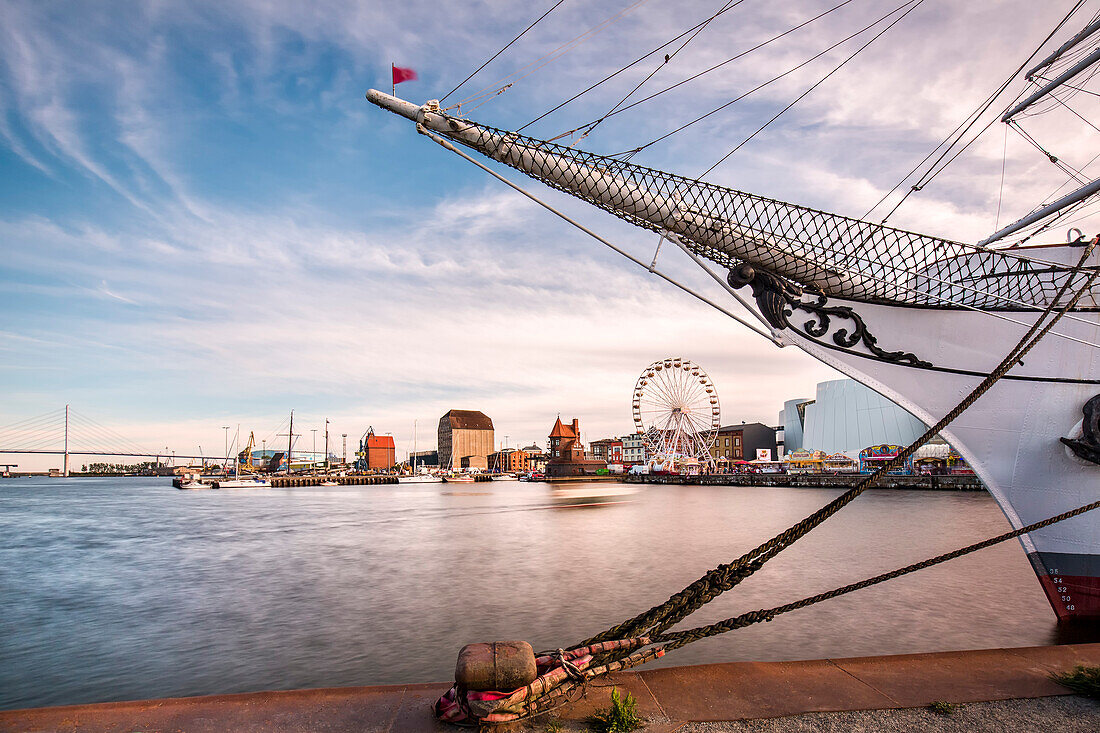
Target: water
114,589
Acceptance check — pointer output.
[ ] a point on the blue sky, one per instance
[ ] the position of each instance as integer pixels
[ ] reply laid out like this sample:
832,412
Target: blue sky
203,221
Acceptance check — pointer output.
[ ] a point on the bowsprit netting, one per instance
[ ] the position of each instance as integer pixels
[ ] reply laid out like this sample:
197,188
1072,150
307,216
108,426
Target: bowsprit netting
835,255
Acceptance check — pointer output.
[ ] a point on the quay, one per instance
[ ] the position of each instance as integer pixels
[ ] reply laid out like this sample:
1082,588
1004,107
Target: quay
283,482
815,481
669,698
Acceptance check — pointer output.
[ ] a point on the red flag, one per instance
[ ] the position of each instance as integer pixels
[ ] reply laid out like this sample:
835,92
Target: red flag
400,75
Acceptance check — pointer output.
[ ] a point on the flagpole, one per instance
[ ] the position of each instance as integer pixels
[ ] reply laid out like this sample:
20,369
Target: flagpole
393,80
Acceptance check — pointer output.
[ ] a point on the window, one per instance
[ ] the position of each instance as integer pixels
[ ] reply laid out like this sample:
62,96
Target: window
737,440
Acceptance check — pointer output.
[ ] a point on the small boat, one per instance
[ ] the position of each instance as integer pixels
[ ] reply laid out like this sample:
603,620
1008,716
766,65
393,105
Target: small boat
422,478
329,482
591,494
243,482
505,477
190,482
459,478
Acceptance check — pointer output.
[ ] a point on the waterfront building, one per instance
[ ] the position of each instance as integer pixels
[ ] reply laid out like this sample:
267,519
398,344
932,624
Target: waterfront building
465,440
602,450
537,458
509,460
427,458
788,434
567,456
376,452
633,450
846,417
744,442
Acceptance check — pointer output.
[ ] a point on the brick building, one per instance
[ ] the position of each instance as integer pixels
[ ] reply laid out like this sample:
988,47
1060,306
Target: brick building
377,452
537,458
567,452
608,449
741,442
509,460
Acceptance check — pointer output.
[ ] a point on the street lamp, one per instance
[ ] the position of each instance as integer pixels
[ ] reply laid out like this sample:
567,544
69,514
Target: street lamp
314,457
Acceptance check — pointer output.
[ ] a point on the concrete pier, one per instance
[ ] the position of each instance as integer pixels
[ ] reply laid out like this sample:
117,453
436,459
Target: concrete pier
669,698
815,481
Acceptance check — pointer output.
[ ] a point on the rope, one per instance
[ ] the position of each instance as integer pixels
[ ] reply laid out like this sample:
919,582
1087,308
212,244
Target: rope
677,639
498,53
912,5
724,577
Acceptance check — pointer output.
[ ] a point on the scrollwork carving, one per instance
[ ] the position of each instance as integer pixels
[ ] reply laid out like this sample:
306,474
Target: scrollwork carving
779,299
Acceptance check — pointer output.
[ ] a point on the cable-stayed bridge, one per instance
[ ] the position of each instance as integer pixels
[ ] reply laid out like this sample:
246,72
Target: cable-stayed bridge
66,432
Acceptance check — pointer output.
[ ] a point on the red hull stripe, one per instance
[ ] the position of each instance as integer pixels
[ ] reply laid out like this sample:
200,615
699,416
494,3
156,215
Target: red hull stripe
1072,596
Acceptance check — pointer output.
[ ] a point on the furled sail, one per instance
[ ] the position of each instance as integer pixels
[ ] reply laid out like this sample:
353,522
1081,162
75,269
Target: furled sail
835,255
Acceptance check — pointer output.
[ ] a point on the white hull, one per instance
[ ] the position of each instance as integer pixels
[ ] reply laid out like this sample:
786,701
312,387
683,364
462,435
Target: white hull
1010,436
422,479
590,495
244,484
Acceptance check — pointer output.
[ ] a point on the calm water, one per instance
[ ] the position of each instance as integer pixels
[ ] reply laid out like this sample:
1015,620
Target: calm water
115,589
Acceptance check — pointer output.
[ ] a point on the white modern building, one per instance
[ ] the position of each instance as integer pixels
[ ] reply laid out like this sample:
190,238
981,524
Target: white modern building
846,417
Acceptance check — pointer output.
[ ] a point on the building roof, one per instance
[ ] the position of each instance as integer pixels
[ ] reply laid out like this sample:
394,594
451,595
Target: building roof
468,420
380,441
742,426
562,431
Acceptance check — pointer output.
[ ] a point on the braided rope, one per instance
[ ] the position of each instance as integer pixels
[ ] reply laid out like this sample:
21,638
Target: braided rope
726,576
677,639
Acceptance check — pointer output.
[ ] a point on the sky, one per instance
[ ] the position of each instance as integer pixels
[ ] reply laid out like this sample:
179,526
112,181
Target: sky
204,223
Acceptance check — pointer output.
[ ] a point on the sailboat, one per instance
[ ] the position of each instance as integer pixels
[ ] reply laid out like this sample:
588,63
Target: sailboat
414,477
920,319
246,481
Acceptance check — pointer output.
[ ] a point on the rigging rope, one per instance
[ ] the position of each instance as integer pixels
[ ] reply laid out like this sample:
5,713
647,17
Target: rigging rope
961,131
558,52
498,53
913,3
684,81
814,86
631,65
730,4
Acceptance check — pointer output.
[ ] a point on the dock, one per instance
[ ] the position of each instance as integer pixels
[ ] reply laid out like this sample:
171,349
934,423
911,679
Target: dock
815,481
669,698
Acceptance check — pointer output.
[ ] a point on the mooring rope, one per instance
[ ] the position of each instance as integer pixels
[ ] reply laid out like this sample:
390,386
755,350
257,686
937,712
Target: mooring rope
724,577
677,639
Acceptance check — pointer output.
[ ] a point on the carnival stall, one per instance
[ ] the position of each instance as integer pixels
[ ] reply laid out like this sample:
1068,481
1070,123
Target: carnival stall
873,457
805,461
840,463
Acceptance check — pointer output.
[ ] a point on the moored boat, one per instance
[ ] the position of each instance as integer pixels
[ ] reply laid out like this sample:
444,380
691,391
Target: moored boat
243,482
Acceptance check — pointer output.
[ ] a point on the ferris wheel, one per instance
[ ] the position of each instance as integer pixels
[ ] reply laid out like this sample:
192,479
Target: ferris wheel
676,411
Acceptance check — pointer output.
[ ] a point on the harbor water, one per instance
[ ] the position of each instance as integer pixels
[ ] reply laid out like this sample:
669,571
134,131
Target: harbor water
125,588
